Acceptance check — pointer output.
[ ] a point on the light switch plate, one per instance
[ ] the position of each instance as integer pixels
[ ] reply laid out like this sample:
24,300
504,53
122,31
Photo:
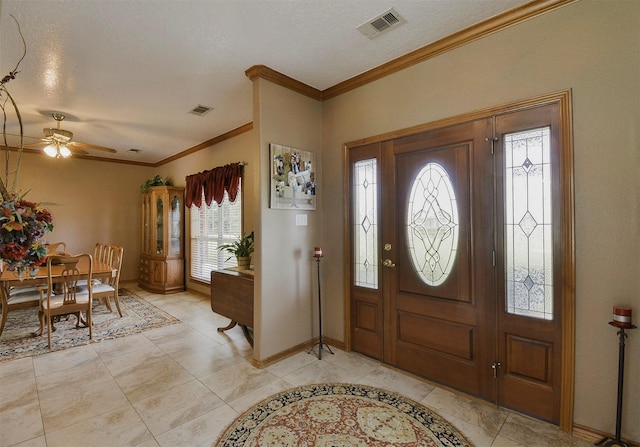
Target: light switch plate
301,220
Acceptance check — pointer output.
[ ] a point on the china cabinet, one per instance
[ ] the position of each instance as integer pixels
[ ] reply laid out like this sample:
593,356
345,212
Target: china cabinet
161,267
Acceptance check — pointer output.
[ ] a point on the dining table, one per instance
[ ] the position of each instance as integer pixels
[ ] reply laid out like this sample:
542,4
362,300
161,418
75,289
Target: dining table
9,280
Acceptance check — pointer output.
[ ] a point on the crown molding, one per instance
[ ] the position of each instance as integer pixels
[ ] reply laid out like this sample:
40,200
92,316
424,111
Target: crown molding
492,25
478,31
215,140
264,72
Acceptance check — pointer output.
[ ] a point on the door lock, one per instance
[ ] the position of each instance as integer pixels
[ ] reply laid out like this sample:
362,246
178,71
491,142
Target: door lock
495,367
388,263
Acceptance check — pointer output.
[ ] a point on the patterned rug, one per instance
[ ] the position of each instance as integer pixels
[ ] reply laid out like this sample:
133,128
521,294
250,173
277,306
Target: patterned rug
340,415
137,315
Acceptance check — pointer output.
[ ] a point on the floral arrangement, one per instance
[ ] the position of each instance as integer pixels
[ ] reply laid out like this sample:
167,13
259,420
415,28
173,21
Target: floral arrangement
23,225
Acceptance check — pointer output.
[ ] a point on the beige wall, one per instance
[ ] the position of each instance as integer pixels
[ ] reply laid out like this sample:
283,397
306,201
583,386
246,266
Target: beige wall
593,48
238,149
92,201
285,270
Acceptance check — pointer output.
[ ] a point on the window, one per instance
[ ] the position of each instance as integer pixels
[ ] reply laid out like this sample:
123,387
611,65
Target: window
365,232
432,224
529,223
211,227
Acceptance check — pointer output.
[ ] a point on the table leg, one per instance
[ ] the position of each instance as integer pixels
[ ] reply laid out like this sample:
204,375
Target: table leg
247,334
231,324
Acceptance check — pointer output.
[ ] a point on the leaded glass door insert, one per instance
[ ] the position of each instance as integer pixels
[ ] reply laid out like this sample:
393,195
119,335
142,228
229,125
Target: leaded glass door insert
432,224
528,223
365,223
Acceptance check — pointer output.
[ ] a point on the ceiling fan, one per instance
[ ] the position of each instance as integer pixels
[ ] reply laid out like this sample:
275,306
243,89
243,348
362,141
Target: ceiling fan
59,142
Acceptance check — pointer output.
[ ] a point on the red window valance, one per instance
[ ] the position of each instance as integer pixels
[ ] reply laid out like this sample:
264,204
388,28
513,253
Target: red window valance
214,183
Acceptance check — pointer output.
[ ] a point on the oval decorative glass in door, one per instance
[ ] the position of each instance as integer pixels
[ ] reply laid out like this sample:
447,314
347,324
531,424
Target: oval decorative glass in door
432,224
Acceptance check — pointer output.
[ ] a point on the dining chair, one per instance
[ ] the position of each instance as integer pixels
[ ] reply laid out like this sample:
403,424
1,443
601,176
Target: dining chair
56,247
18,298
109,287
68,297
103,253
24,297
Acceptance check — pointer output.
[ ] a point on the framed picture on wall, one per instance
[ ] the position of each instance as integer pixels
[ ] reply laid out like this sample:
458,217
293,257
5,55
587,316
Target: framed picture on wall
293,178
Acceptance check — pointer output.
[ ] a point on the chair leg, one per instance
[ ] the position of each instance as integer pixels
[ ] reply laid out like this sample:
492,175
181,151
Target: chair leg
41,318
117,300
49,329
90,323
5,311
107,303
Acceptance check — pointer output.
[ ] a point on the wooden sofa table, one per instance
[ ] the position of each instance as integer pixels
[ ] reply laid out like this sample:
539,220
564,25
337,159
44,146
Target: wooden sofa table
232,297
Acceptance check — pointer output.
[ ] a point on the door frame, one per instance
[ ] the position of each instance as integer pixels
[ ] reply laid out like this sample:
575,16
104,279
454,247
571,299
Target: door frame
564,101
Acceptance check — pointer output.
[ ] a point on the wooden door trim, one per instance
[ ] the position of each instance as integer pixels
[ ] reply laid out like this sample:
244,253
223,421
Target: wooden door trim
564,100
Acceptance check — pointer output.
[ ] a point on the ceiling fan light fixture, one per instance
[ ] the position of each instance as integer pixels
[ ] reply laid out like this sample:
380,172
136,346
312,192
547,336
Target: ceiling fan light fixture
51,150
64,151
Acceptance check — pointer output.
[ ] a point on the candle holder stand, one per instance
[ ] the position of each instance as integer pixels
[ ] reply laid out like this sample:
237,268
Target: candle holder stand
608,442
320,343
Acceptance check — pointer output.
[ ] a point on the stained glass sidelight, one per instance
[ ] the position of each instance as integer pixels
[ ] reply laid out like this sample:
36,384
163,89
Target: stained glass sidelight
528,224
432,225
365,231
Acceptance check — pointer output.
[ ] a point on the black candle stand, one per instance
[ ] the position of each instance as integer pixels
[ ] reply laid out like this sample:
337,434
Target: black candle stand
608,442
320,344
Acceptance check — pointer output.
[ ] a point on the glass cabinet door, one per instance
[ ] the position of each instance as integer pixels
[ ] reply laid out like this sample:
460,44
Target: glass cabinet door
146,228
174,226
159,226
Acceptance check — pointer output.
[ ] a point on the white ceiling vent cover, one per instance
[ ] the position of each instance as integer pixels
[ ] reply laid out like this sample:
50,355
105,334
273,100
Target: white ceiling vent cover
381,23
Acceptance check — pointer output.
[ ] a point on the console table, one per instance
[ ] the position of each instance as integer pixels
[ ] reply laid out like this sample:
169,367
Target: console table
232,297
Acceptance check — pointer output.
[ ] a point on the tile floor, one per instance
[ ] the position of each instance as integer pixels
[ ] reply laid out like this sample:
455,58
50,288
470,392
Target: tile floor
181,385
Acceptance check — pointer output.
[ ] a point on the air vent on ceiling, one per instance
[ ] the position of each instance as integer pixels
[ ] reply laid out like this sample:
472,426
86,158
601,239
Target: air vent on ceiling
381,23
200,110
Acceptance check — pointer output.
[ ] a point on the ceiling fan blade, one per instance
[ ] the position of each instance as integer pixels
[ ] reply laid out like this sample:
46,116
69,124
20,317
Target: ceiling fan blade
77,150
93,146
38,145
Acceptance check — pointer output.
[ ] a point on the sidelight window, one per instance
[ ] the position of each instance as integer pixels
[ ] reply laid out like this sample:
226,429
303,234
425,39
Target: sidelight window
528,223
365,231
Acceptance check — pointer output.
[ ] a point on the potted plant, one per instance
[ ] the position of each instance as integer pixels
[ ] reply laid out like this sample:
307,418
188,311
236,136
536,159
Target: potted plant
155,181
241,249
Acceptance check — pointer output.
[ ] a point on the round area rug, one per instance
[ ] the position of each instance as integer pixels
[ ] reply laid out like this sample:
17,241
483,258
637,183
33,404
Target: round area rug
340,415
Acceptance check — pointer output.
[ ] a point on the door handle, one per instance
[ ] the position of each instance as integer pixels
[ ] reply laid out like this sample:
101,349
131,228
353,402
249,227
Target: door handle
388,263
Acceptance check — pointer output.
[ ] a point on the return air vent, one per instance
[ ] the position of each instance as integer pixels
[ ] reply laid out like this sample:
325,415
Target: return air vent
381,23
200,110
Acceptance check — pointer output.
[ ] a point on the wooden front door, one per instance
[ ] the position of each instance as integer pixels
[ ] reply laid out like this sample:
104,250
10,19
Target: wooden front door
456,261
438,280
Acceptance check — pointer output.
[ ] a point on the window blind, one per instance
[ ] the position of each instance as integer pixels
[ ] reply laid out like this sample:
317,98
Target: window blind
211,227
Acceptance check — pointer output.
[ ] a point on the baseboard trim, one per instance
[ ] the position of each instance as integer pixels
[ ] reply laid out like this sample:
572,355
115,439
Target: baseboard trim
593,436
294,350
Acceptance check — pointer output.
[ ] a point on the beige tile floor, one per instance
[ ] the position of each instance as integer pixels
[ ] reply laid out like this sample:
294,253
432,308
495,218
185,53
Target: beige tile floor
181,385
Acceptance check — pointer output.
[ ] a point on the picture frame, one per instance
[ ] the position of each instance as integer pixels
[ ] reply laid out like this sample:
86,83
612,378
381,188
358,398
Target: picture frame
293,178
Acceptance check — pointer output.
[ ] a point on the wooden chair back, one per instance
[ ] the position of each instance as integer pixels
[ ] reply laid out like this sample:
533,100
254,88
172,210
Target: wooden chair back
56,247
68,291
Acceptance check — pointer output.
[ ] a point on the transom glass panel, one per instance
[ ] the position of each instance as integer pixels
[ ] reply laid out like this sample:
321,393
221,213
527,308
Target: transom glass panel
432,225
528,219
365,231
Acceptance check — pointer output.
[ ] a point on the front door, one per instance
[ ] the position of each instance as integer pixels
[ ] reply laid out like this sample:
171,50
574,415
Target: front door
438,275
456,236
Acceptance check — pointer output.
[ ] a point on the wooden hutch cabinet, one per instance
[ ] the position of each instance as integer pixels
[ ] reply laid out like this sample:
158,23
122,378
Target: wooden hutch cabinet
162,254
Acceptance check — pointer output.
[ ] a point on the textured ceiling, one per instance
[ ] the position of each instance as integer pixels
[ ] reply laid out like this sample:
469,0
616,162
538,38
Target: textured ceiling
126,73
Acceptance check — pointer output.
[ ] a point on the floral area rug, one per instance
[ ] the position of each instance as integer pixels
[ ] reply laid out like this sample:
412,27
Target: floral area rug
138,315
340,415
